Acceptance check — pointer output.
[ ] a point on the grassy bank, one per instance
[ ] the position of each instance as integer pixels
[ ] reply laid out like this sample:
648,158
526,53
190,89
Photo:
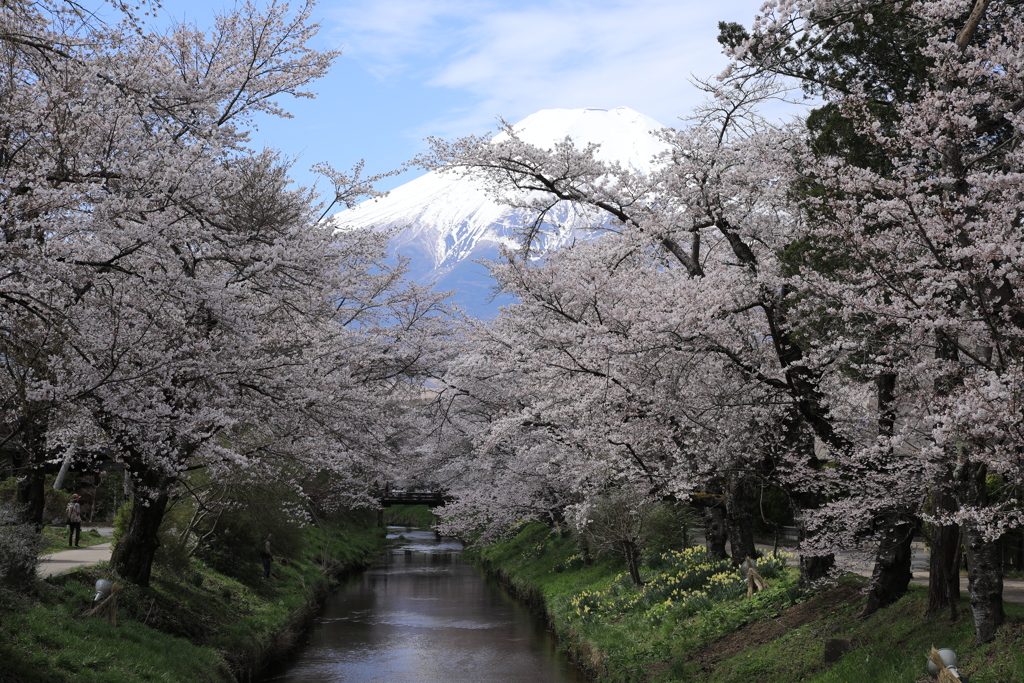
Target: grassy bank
190,624
693,622
409,515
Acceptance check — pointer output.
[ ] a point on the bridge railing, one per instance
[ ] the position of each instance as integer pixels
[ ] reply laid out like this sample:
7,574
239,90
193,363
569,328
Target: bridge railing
432,498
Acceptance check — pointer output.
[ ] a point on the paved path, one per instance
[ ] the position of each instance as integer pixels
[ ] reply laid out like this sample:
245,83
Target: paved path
1013,591
66,560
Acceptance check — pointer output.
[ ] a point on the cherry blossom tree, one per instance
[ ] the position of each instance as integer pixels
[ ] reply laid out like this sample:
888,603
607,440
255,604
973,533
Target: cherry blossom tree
165,281
596,372
919,230
718,213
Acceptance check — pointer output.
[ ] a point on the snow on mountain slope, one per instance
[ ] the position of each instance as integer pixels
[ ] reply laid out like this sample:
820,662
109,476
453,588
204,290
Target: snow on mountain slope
443,220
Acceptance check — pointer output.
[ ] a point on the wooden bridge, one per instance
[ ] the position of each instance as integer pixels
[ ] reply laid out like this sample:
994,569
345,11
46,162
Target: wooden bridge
429,498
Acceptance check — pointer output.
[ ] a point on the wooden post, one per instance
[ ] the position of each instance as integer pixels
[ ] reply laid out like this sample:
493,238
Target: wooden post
755,582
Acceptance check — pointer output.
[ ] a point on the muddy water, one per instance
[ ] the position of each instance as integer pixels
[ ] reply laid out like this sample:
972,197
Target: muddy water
427,616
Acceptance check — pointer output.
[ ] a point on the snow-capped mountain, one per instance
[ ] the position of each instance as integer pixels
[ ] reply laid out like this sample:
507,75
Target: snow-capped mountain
447,221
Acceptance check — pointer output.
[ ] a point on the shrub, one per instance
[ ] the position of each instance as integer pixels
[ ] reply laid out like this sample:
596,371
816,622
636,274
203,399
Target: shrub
8,491
19,555
666,526
121,519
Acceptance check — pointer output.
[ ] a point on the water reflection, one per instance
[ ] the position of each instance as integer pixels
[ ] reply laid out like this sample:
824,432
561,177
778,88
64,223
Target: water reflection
426,616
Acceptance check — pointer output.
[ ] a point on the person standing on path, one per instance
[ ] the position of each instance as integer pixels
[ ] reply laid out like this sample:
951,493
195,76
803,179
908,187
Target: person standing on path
74,520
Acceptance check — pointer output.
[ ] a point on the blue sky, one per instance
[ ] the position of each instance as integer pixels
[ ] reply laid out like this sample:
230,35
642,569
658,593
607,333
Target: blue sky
413,68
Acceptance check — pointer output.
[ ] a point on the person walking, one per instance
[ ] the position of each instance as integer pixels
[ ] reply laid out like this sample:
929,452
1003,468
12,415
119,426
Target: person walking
74,520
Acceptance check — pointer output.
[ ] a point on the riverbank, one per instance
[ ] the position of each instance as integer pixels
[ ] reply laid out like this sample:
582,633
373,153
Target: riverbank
685,624
190,624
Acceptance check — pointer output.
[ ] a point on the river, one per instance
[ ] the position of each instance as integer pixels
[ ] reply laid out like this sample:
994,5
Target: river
426,616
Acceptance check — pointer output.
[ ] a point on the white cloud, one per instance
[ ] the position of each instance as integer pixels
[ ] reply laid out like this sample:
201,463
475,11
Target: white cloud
516,58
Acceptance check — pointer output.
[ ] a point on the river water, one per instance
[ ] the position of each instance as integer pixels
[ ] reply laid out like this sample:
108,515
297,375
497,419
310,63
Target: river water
426,616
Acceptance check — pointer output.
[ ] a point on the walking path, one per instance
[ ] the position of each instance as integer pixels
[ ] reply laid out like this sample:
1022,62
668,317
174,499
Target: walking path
66,560
1013,591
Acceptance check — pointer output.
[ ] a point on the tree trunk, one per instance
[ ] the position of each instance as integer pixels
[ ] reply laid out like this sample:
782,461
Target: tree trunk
740,512
798,445
632,555
588,559
133,557
984,565
892,573
29,464
813,568
715,532
943,564
944,558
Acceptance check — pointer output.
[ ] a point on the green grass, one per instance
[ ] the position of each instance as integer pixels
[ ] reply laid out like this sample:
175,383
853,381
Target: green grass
631,634
55,539
188,625
890,647
409,515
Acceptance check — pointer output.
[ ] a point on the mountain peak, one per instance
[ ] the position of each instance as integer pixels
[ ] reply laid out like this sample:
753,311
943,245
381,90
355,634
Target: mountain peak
623,133
445,221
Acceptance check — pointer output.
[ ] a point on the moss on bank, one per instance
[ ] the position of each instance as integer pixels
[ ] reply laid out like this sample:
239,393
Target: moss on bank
630,634
188,625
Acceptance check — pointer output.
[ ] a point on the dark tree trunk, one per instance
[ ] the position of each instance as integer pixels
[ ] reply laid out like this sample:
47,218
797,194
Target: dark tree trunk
632,555
588,559
984,563
813,567
133,557
740,512
30,463
943,564
944,557
800,442
892,573
715,532
685,530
